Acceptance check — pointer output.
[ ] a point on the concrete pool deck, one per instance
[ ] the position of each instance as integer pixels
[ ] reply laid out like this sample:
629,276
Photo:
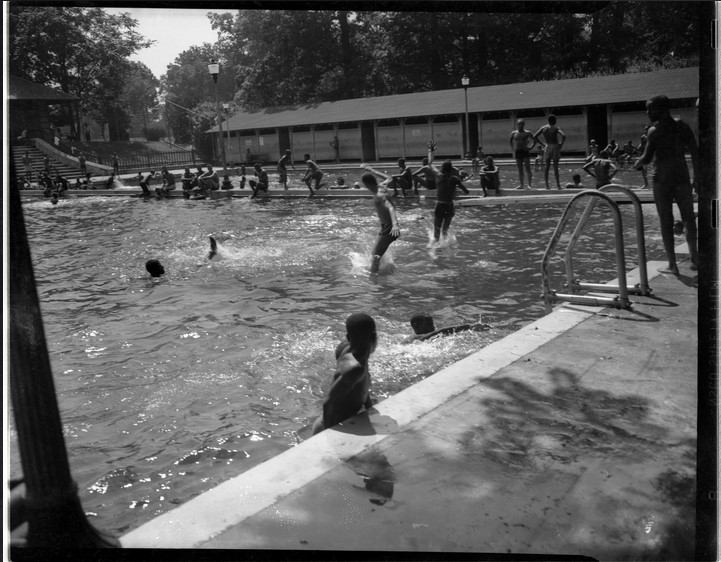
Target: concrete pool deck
575,435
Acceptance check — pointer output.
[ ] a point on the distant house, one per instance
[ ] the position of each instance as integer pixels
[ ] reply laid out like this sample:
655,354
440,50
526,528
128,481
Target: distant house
29,105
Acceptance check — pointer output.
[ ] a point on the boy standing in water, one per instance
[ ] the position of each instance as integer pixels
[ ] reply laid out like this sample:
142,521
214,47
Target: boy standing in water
602,169
350,389
446,184
390,231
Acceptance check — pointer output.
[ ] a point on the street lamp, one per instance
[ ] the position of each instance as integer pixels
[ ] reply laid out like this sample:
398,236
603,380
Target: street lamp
214,70
465,81
226,110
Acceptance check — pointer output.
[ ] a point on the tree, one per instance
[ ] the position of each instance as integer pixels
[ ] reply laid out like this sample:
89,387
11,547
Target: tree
140,91
81,51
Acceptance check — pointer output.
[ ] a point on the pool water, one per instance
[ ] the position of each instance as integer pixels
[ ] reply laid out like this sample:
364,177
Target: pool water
169,387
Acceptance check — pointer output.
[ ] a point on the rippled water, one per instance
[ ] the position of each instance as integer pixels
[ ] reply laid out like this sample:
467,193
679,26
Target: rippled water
168,388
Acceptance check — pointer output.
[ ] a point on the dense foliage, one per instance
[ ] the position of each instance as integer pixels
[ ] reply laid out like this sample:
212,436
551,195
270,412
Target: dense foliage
279,57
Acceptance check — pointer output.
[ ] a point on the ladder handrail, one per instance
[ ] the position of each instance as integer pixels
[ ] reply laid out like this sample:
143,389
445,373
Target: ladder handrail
640,232
618,234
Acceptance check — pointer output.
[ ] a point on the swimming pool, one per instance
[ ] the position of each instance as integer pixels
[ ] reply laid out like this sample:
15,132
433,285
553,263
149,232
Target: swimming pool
167,389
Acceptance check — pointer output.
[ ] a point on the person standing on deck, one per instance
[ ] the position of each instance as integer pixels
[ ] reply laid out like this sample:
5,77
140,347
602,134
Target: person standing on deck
312,172
668,140
28,164
336,148
522,142
554,138
283,168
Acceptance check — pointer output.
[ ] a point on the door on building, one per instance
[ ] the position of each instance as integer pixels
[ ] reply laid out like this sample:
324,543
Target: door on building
368,139
283,139
597,124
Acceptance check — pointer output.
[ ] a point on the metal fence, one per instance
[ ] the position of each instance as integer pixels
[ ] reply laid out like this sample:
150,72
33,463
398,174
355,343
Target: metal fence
150,160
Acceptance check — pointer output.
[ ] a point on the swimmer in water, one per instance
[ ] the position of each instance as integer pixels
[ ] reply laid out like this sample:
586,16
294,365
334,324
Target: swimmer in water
425,329
155,268
350,390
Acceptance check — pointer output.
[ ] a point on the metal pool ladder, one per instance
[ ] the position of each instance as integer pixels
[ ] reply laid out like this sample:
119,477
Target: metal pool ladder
621,299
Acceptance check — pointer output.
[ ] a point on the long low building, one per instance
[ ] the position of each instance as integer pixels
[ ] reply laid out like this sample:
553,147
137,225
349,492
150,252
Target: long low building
388,127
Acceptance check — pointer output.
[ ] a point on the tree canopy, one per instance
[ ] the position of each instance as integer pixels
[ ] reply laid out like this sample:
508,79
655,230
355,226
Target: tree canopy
278,57
81,51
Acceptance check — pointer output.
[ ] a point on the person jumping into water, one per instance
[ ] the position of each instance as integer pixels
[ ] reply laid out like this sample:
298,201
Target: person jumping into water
390,231
350,390
446,184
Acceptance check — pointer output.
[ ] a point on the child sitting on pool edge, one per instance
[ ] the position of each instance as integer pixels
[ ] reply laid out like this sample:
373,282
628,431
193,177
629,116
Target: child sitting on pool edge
350,390
425,329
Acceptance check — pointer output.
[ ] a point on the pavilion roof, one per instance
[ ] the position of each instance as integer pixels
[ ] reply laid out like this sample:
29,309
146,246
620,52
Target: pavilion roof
22,89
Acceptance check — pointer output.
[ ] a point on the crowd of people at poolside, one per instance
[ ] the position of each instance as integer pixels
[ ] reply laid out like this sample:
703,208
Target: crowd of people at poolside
601,164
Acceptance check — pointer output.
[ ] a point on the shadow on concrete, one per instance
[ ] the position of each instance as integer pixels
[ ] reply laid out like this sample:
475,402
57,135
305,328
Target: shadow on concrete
640,316
659,301
583,420
530,431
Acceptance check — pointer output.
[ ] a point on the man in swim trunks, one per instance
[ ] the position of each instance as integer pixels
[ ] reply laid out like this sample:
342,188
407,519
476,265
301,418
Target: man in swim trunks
390,231
350,390
522,142
424,176
283,168
553,139
668,140
404,180
312,172
446,184
261,184
207,182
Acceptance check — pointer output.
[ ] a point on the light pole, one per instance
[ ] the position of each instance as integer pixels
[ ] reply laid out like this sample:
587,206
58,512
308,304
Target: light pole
226,109
465,81
214,70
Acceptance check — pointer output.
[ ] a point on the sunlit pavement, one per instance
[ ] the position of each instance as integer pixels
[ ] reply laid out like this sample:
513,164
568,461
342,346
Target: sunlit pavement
575,435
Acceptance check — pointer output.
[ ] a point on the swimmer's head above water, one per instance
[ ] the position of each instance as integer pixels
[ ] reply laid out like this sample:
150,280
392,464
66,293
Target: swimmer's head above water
155,268
422,323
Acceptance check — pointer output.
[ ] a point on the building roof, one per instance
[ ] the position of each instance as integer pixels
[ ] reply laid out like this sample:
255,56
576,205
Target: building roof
677,83
21,89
